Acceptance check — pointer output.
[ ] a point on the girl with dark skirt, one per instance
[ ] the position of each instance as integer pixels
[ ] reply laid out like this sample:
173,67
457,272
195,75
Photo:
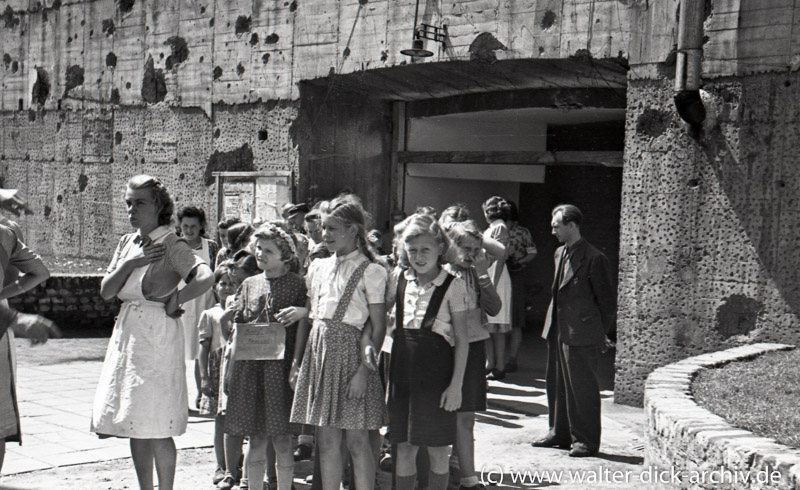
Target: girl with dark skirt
467,259
429,353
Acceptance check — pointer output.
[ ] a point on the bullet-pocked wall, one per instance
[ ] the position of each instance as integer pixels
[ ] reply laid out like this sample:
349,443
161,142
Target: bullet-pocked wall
73,165
708,257
94,91
181,88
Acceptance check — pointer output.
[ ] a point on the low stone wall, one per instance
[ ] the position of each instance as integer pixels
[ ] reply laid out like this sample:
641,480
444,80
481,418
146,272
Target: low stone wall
73,302
693,448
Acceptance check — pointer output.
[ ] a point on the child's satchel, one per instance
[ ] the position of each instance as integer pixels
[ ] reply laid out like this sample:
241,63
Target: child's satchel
259,341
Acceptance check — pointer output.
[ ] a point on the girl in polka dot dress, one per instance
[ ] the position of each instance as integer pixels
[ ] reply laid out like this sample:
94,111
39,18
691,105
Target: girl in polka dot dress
260,395
336,391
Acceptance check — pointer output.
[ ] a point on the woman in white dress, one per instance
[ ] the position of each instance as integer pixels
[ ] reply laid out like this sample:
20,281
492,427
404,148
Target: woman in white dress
141,394
192,223
496,210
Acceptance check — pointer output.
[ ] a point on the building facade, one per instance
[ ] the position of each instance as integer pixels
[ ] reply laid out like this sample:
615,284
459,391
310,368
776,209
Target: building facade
542,101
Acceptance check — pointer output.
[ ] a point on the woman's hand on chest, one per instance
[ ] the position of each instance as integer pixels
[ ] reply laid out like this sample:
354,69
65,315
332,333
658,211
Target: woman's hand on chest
152,252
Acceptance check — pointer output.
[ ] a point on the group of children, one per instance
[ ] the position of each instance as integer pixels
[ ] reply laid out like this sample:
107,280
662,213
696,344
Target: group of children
345,322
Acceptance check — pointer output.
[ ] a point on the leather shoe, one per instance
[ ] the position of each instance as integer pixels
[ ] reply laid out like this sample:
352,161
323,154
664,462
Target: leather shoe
581,451
303,452
550,442
511,366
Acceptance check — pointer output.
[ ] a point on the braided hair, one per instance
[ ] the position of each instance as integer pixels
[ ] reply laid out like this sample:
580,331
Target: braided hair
496,208
283,241
239,236
454,214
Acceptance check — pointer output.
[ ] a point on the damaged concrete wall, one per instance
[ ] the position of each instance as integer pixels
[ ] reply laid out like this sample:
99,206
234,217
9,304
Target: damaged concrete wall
94,91
708,257
196,53
73,165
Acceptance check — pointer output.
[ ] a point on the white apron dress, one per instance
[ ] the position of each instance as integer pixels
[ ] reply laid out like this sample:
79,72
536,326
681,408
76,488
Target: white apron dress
142,389
192,310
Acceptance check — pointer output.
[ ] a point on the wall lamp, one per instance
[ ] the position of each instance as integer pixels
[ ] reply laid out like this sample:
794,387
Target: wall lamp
424,31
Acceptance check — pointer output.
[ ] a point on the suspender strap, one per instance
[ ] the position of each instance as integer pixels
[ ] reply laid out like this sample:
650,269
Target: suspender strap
433,305
349,289
400,300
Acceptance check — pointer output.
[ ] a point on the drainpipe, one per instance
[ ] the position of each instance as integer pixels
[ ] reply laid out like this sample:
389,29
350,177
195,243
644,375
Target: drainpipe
688,67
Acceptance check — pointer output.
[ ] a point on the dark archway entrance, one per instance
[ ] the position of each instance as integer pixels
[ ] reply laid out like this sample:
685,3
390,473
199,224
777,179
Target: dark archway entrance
541,132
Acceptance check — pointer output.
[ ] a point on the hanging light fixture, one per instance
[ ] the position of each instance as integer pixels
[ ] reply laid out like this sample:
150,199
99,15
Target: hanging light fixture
424,31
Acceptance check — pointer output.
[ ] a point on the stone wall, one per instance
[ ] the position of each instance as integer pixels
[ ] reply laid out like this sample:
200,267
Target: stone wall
94,91
689,447
709,217
73,302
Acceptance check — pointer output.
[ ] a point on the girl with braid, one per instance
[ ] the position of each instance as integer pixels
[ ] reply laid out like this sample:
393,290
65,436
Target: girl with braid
336,389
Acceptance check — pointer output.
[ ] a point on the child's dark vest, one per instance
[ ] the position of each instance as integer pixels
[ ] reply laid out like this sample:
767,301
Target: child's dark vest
421,355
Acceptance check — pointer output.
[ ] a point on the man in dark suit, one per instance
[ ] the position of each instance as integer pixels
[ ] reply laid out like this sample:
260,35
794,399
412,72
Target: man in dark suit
583,308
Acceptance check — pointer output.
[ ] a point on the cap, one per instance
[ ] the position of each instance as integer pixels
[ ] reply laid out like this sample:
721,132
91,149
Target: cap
297,209
285,209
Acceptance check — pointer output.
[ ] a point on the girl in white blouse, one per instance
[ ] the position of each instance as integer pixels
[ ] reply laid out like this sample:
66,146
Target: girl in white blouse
336,391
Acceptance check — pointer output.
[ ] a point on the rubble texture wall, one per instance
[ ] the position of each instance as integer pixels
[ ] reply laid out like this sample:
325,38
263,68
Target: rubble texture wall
94,91
73,165
709,219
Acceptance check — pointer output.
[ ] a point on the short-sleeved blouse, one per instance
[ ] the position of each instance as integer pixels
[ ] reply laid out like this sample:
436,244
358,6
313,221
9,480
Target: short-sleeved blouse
456,299
163,275
499,231
210,326
327,278
520,242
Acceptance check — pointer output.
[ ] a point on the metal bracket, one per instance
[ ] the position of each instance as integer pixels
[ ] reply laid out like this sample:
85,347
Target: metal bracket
432,33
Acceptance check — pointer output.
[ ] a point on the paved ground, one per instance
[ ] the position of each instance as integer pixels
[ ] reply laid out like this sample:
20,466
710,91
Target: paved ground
56,406
55,402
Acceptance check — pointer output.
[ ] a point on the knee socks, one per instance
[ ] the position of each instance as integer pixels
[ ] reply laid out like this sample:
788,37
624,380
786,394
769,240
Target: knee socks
405,482
438,481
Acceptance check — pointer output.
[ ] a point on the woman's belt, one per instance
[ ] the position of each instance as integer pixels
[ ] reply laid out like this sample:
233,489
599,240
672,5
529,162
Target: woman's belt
143,303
